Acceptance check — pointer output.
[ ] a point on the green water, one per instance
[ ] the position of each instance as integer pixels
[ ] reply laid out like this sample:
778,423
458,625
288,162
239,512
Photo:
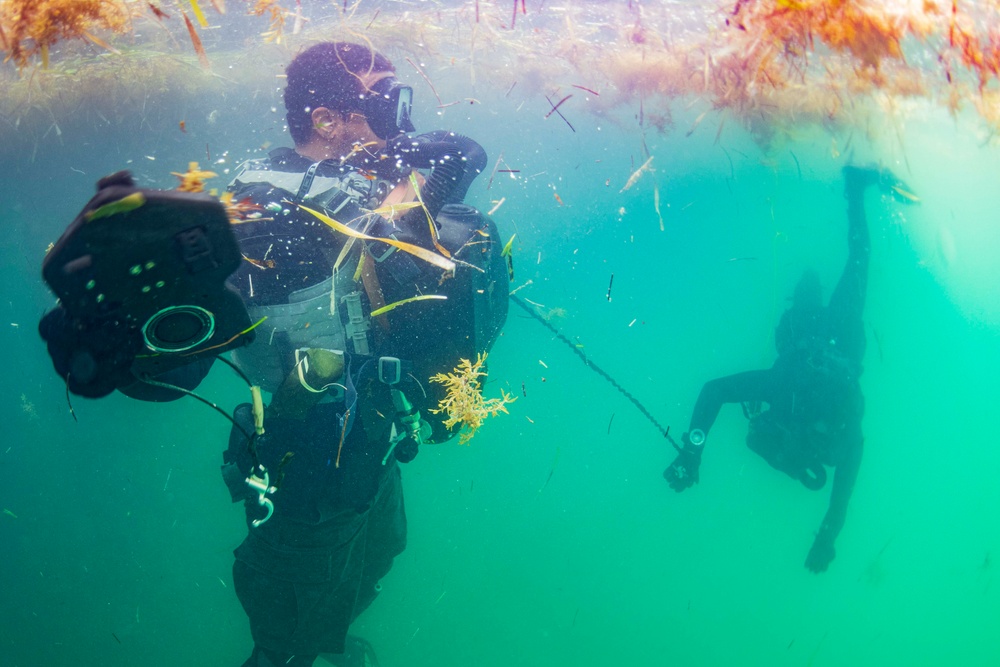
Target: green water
553,539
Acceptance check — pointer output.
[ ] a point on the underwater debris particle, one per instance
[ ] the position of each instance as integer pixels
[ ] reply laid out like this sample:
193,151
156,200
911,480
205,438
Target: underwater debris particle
196,42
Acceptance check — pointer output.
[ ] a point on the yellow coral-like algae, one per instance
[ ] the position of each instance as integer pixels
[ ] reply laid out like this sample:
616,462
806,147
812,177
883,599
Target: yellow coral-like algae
464,403
194,179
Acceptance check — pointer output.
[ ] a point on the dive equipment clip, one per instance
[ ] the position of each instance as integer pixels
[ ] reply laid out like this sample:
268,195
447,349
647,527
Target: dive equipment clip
404,445
262,485
357,324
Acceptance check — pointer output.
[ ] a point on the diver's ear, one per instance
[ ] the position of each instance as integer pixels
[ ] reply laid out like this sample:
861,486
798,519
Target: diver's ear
326,122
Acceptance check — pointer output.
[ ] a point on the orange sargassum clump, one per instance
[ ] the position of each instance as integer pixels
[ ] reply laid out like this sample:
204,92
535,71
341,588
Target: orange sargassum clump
30,27
463,401
275,13
864,29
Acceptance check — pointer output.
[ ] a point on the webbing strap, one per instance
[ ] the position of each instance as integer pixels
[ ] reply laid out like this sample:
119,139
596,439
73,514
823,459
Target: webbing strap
307,180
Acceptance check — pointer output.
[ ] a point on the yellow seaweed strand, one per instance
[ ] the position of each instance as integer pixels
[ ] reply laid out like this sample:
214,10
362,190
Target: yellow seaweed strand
123,205
223,344
198,14
909,196
389,210
344,252
656,204
637,174
101,43
361,267
421,253
430,221
508,248
508,254
401,302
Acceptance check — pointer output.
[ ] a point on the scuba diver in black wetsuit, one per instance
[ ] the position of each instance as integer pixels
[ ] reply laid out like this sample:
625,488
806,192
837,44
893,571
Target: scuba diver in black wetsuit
812,390
349,391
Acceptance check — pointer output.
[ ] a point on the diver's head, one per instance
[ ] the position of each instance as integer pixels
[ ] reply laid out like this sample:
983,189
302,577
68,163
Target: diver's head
808,292
339,94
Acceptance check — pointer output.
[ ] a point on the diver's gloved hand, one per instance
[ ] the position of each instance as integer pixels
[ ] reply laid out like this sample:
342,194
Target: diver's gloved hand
821,553
683,472
93,357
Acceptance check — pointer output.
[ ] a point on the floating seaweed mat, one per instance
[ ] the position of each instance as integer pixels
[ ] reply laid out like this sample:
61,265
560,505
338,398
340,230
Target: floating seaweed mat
29,28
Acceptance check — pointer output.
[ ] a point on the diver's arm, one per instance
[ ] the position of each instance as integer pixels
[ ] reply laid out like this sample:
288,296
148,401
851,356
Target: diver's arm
749,386
741,387
823,551
455,162
470,152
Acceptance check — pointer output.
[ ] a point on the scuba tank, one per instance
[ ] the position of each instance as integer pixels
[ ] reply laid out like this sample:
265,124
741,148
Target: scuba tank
437,334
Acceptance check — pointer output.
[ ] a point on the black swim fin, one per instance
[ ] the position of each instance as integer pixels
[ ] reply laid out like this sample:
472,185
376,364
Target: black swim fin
358,652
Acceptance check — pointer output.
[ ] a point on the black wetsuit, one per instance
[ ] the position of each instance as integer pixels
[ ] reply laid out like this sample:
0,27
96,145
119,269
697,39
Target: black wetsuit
339,521
305,574
812,390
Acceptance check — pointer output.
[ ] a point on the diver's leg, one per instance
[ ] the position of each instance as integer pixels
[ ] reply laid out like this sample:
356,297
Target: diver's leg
848,297
271,607
298,584
385,540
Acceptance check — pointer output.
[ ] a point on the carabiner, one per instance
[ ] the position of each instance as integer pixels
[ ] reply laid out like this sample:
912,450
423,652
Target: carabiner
262,485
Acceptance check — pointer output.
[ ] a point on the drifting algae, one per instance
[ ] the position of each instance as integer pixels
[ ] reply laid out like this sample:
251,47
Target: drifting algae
464,403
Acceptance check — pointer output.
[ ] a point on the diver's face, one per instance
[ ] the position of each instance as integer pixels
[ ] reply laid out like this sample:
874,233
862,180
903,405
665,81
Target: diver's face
337,134
357,124
357,131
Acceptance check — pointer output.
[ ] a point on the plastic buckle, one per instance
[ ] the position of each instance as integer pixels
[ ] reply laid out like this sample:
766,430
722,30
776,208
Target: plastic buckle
389,249
262,485
390,370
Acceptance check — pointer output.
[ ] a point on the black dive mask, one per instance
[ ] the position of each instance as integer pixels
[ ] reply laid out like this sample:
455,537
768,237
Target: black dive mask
387,108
